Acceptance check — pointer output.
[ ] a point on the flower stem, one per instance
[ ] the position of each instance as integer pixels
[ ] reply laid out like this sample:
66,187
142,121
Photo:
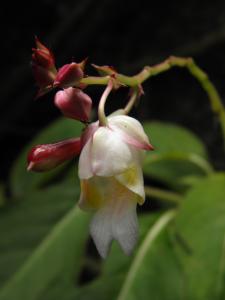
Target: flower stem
131,101
163,195
173,61
101,107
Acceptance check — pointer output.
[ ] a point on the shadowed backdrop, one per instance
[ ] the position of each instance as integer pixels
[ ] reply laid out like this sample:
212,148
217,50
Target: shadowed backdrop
127,35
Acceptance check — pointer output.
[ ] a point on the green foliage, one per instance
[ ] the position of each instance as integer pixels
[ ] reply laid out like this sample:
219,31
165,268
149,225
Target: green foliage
59,253
178,154
201,224
180,254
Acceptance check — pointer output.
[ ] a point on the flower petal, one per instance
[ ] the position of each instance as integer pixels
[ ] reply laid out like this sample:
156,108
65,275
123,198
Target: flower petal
131,130
132,179
116,219
88,133
94,192
84,166
125,227
110,155
101,231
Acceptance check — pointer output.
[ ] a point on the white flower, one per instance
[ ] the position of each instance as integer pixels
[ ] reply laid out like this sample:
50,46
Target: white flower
112,180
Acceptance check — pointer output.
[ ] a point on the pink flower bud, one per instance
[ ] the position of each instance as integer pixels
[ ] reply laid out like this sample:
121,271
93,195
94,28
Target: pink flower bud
48,156
43,65
74,104
69,75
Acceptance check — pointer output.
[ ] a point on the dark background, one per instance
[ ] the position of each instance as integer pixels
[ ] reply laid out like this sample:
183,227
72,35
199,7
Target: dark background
125,34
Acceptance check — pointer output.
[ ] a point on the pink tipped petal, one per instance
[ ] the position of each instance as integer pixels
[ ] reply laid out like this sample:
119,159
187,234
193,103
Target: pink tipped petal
48,156
137,143
110,155
131,130
74,104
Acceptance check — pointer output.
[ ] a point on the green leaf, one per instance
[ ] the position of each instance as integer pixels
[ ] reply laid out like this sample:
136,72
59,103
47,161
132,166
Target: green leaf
101,289
178,153
184,259
22,182
201,226
25,275
167,137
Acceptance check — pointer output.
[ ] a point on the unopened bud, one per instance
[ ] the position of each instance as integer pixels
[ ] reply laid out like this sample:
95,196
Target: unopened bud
69,75
43,65
74,104
48,156
43,77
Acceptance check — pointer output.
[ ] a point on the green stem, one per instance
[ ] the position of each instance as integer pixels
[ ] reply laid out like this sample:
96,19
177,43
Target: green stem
163,195
148,71
131,101
94,80
101,108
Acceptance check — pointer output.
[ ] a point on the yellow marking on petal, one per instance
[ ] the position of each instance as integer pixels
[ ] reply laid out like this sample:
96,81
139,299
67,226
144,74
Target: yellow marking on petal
92,194
97,192
130,176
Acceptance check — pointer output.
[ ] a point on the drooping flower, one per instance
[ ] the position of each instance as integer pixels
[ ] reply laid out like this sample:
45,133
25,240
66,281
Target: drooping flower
74,103
112,180
111,152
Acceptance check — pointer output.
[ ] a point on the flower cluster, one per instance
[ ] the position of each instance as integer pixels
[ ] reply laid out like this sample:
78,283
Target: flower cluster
111,152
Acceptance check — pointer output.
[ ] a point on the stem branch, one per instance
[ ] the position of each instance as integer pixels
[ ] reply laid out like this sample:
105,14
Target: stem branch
173,61
131,101
163,195
101,108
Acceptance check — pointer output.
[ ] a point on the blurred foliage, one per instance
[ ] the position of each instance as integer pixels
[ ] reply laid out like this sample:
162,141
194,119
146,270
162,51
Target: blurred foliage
45,248
179,154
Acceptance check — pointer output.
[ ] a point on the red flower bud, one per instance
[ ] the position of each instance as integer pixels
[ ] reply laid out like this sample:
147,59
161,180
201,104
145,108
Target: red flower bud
43,77
43,65
42,56
74,104
46,157
69,75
